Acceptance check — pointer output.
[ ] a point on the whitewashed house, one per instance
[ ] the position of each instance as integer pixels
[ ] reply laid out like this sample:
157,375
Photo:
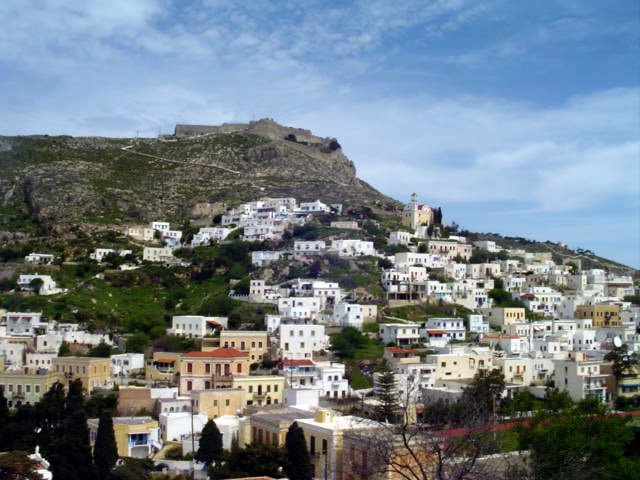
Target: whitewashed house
298,340
352,248
48,287
196,326
39,258
401,334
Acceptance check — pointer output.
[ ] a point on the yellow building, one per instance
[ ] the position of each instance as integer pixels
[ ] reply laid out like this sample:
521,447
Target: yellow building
213,369
324,435
217,402
255,343
414,215
260,389
602,314
135,436
26,388
93,371
270,428
503,316
163,367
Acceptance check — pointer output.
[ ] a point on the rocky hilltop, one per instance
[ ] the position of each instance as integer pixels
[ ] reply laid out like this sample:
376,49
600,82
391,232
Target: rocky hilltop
195,173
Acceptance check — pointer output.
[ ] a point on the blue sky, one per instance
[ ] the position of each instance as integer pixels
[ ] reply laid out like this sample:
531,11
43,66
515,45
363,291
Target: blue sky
521,118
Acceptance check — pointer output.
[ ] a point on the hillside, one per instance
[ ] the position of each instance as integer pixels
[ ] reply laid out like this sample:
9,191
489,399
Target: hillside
55,182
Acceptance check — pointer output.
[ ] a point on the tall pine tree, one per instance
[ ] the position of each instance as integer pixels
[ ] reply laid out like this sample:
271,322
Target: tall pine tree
105,450
298,460
388,409
210,444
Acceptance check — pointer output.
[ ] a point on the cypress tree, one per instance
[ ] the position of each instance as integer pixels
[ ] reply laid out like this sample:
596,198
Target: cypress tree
105,450
298,461
210,443
388,410
51,412
74,399
5,418
71,452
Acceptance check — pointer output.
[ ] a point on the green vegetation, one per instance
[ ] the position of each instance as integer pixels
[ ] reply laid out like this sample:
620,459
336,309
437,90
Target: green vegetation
357,379
420,312
210,449
351,344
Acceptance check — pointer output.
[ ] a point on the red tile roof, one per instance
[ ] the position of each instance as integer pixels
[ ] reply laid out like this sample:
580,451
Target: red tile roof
213,322
298,363
399,350
436,332
218,353
165,360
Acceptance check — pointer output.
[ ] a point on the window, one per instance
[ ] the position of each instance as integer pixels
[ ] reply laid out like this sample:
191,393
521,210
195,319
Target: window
189,367
226,402
312,445
189,385
207,368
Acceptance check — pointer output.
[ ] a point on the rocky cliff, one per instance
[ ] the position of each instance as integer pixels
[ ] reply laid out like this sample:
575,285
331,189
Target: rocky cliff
200,170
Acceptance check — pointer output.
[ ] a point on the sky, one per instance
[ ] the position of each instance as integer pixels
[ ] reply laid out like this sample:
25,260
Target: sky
521,118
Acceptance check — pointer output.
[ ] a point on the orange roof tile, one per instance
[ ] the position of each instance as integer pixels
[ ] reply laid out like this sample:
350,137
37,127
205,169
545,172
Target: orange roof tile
218,353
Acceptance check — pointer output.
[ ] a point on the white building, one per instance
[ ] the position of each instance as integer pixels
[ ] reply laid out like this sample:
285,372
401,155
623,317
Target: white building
39,361
174,426
208,235
309,246
39,258
313,207
352,248
445,328
300,307
99,253
196,326
400,238
354,315
24,323
262,257
581,377
161,226
299,340
477,323
488,245
123,364
399,333
158,254
48,286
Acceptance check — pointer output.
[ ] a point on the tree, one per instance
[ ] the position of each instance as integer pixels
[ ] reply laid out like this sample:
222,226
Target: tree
387,395
345,343
36,284
75,398
16,465
71,453
485,391
64,350
255,459
622,361
101,350
210,444
299,464
576,445
137,342
105,450
5,417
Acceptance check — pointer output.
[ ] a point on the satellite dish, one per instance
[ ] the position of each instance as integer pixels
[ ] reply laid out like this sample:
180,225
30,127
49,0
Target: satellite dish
617,342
